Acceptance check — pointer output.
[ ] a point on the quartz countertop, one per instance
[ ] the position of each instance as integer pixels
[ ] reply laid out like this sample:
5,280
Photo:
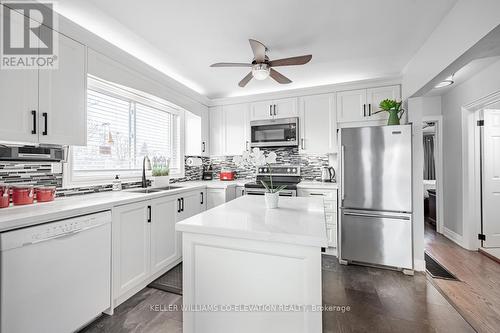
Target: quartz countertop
298,221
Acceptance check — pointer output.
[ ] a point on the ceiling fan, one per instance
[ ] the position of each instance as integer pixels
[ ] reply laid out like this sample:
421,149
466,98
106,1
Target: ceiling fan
262,66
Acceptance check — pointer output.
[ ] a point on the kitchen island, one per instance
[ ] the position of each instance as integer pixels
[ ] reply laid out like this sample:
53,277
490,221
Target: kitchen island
251,269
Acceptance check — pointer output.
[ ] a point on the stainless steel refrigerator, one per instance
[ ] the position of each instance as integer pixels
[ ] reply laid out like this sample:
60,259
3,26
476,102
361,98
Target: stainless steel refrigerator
376,196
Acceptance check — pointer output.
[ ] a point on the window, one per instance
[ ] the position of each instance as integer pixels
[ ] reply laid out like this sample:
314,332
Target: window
123,126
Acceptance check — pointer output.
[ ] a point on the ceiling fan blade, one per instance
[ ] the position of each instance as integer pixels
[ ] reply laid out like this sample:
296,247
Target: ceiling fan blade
301,60
259,50
231,64
280,78
245,80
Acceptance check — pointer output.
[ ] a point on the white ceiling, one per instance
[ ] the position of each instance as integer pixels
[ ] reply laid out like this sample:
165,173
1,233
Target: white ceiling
349,40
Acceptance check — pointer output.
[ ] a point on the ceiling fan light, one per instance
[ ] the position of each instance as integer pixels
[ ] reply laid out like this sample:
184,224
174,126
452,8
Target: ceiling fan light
260,71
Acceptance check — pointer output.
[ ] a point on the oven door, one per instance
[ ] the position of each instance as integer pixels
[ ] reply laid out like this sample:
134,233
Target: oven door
273,133
261,191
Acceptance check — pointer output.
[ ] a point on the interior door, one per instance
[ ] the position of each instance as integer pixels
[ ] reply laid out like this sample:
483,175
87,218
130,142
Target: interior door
164,241
63,96
18,96
491,178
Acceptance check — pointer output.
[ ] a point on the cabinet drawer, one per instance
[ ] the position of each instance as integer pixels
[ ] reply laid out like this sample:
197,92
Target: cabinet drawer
330,195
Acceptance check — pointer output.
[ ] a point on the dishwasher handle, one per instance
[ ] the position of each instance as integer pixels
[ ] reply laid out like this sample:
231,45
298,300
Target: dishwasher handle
63,235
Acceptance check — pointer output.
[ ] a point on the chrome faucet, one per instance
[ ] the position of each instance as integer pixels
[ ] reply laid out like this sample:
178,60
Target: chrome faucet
146,164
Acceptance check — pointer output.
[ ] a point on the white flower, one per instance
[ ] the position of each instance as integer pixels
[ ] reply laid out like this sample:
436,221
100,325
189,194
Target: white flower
238,160
271,158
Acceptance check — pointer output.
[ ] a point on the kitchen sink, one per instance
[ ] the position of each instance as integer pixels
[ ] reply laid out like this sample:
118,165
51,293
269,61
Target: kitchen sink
154,189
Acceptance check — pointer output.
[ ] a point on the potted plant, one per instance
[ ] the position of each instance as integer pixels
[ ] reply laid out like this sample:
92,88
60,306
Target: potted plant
394,108
258,158
161,171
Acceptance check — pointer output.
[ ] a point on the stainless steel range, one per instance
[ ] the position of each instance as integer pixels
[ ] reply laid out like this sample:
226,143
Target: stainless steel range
288,175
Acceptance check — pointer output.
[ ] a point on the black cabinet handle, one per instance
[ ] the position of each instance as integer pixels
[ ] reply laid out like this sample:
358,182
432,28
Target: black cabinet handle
178,205
271,110
364,110
149,214
201,193
274,106
33,113
370,109
203,147
45,116
182,204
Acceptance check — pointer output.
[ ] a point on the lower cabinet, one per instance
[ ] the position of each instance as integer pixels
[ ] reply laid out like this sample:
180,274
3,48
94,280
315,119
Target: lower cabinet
330,201
240,191
145,243
218,196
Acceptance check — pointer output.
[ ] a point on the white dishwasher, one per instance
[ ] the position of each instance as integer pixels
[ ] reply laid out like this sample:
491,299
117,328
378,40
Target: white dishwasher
55,277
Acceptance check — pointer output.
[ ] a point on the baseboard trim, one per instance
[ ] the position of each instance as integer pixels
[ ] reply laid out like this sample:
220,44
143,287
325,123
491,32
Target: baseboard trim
419,265
454,237
489,255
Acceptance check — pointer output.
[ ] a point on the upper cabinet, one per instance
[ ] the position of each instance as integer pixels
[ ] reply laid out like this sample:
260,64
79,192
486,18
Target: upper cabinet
196,134
229,129
275,109
62,96
361,105
318,124
47,105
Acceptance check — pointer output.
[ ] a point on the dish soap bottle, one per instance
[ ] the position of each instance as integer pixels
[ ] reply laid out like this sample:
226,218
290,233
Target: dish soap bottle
117,183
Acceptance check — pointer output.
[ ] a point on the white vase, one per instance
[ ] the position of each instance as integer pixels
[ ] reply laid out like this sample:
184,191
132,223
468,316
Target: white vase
271,200
161,181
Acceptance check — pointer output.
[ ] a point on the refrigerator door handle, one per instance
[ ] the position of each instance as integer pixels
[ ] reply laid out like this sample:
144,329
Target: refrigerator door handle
382,216
342,153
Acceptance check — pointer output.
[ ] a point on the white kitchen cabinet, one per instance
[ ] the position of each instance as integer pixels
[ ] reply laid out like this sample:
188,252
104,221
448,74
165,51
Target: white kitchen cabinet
18,98
62,96
274,109
218,196
164,240
240,191
318,124
131,246
46,106
360,105
190,204
196,134
229,129
237,126
376,95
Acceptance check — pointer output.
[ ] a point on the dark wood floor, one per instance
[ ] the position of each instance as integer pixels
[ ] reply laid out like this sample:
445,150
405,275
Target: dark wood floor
378,300
477,295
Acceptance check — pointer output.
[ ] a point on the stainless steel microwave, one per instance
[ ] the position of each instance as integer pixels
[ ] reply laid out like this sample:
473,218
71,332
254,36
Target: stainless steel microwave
275,132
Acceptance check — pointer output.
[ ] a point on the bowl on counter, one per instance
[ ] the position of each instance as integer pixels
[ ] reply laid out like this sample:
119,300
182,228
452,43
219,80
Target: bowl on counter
23,195
4,195
45,193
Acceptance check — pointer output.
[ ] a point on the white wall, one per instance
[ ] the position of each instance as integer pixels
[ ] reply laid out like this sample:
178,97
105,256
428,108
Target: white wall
465,25
482,84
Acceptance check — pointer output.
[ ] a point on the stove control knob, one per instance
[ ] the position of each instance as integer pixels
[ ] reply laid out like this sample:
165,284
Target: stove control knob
265,169
288,170
294,170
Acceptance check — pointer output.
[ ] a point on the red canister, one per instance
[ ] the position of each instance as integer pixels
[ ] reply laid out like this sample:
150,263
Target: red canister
4,196
45,193
22,195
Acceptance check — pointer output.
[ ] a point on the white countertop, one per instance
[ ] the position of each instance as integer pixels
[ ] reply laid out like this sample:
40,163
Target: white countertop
219,183
15,217
318,185
297,221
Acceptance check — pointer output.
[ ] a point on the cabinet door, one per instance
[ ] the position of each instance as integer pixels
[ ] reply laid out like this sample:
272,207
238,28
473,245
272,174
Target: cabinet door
261,110
216,131
285,108
237,127
215,197
318,124
351,105
205,133
131,246
203,200
191,204
164,238
62,110
240,191
18,97
193,141
377,95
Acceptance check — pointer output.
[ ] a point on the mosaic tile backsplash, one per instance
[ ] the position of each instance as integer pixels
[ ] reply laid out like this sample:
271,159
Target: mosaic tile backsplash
35,173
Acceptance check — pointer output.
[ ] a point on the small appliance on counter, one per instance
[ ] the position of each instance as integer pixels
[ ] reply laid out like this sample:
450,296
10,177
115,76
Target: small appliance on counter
226,174
207,172
328,174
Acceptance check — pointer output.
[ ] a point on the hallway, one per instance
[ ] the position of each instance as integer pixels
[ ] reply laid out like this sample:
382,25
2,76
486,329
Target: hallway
477,295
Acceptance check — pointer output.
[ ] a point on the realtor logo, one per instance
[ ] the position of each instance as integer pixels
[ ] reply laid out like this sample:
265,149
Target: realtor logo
28,40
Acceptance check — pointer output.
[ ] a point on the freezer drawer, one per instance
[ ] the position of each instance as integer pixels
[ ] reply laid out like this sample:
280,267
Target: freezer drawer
379,238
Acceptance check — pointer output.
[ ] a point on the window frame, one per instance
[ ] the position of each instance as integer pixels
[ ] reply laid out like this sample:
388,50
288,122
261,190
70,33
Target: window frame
134,96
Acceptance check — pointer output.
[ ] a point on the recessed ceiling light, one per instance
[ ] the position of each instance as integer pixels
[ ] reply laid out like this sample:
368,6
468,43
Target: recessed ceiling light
448,82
